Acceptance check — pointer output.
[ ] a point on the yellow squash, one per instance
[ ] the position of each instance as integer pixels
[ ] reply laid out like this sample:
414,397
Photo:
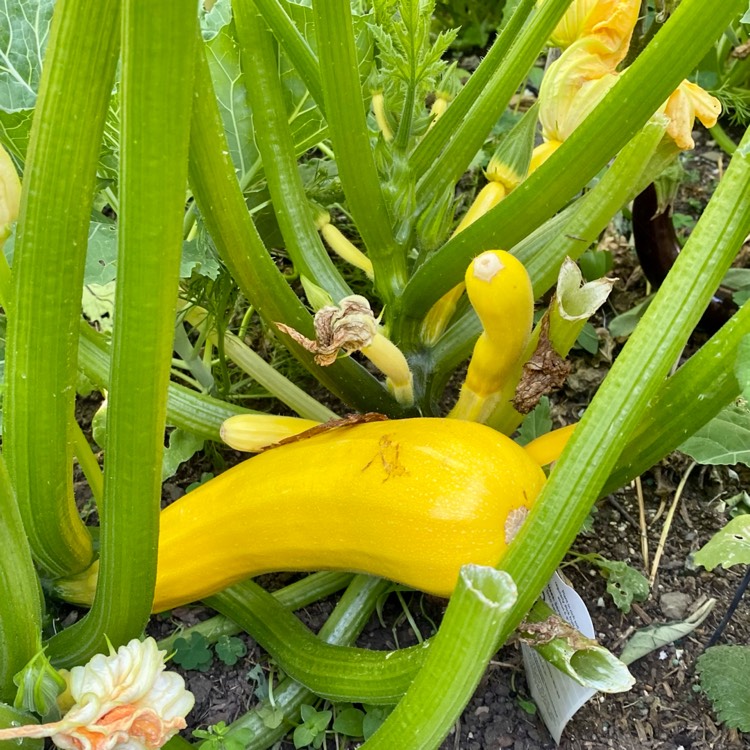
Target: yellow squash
409,500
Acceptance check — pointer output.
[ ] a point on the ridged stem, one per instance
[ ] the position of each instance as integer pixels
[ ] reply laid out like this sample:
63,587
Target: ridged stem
20,605
48,268
342,628
347,124
471,130
455,663
294,596
217,192
687,400
274,141
334,672
158,41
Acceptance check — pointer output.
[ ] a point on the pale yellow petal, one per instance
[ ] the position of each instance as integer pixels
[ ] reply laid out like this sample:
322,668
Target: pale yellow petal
685,103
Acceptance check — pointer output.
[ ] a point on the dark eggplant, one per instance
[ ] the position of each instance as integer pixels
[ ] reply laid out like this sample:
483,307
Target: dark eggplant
657,247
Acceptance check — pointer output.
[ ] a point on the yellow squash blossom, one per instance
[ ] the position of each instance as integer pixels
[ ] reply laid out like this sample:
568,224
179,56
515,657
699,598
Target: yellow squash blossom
122,701
607,25
687,102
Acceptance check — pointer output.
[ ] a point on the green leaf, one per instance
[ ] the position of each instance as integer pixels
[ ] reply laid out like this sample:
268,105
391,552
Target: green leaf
101,256
624,584
271,716
588,339
374,717
724,440
24,28
302,736
223,55
623,325
182,447
193,653
536,423
230,649
349,721
648,639
98,305
199,256
723,674
729,546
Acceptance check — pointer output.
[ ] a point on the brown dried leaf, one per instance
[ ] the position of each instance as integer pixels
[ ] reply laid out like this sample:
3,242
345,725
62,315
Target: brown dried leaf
350,420
545,372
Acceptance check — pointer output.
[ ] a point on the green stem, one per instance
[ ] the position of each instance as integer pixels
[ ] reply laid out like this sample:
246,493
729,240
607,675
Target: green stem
295,46
88,463
215,187
341,629
674,52
274,141
264,374
723,140
157,92
295,596
186,409
20,604
687,400
623,399
452,120
575,655
339,674
469,134
454,665
347,124
48,270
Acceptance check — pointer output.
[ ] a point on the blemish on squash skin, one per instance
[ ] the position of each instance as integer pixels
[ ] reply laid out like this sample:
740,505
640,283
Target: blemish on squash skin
514,521
388,456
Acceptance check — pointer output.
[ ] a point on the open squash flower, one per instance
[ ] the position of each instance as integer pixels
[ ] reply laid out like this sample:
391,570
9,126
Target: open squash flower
606,25
122,701
687,102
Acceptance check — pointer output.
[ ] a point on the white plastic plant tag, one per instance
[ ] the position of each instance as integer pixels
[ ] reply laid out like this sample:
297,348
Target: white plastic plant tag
556,695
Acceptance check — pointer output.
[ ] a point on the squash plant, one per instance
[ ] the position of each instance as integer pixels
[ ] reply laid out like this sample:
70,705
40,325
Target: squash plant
219,110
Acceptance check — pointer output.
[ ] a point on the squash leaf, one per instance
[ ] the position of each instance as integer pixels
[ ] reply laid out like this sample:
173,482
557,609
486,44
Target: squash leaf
729,546
723,440
723,674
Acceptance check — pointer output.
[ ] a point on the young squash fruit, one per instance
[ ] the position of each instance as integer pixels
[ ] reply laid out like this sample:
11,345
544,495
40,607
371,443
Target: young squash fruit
409,500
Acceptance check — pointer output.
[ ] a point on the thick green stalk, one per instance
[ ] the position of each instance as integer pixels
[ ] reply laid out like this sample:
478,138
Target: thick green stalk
20,605
296,595
48,269
347,124
454,665
687,400
336,673
186,409
273,138
674,52
341,629
215,187
451,121
469,135
158,40
623,398
295,46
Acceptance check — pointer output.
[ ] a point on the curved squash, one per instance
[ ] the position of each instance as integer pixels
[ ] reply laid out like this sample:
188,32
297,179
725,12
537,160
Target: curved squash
409,500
